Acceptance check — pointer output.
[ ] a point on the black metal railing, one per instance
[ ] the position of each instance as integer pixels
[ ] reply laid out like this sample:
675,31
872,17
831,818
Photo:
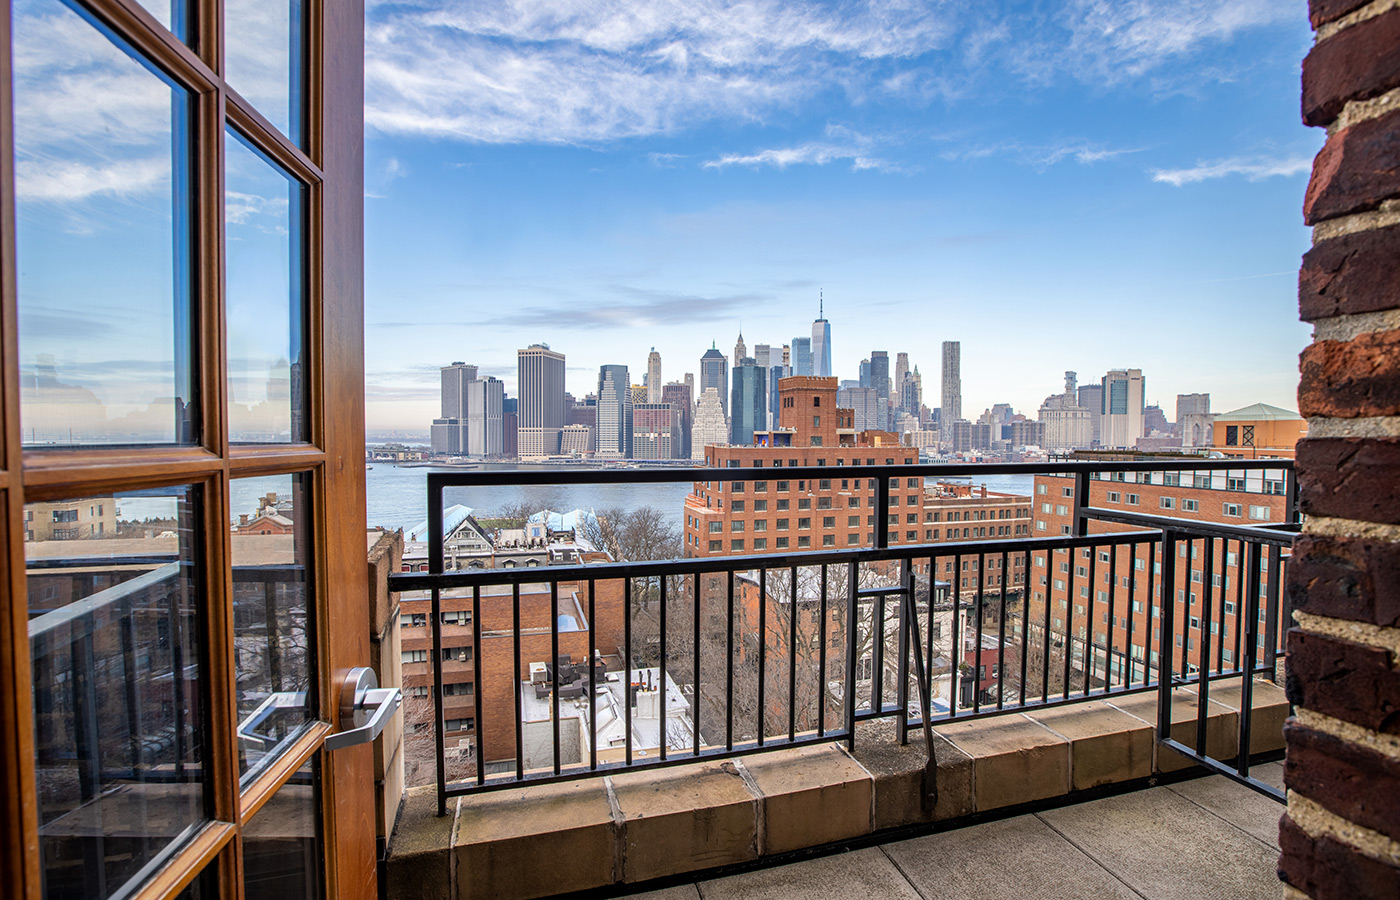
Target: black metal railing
747,653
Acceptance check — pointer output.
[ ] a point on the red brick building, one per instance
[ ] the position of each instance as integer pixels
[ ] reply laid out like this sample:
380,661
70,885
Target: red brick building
1132,579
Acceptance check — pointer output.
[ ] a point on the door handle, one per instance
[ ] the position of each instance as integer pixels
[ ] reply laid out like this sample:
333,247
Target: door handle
365,708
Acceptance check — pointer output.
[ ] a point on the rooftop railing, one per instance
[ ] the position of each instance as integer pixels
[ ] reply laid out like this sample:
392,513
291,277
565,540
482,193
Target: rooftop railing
724,656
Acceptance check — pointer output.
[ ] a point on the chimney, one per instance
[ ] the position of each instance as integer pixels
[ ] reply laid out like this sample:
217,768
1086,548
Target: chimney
242,518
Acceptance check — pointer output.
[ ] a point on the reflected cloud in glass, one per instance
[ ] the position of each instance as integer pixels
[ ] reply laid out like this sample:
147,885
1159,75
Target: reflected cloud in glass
102,156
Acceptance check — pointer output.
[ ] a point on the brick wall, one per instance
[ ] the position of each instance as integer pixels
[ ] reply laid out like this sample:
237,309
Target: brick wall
1341,835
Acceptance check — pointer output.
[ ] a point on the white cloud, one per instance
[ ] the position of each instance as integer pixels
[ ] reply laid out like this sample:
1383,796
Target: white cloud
70,180
559,71
1252,168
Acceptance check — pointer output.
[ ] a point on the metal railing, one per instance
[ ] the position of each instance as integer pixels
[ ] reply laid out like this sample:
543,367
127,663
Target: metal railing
819,641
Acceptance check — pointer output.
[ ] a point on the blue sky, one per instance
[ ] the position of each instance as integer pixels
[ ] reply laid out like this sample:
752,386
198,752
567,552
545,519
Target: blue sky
1080,184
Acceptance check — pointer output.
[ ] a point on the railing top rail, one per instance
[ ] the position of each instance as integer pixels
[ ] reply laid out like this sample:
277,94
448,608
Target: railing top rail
412,581
1262,534
438,479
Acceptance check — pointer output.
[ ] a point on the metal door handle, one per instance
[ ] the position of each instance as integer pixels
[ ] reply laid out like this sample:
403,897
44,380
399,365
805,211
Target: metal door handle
365,708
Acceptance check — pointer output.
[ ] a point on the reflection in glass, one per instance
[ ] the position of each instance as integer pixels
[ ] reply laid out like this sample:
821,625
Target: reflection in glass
102,172
264,60
273,649
282,842
264,212
114,598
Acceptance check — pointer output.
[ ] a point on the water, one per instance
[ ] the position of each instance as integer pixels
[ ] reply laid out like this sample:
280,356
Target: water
398,495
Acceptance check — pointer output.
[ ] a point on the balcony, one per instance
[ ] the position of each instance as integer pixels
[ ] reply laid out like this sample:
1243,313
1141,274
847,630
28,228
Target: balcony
891,696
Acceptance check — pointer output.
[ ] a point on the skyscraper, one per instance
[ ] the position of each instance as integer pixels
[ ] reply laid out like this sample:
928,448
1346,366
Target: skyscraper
654,377
739,350
821,343
711,425
763,355
901,369
776,373
1091,398
880,381
541,414
449,432
749,402
802,356
681,396
714,373
952,382
614,412
485,418
1123,402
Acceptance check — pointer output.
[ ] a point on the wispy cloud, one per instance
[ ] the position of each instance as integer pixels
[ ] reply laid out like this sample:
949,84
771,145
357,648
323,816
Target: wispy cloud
1043,156
1254,169
841,145
631,307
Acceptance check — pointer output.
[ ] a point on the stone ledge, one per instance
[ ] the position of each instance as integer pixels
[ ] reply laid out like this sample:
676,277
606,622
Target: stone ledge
651,824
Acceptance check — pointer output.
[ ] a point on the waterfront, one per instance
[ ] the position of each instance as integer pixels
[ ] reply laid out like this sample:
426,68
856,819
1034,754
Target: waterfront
397,496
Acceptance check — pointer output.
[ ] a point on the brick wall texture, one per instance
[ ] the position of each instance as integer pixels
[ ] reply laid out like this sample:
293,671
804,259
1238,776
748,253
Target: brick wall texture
1341,835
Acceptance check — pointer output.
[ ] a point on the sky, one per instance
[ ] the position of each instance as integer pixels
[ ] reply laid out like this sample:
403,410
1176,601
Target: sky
1057,184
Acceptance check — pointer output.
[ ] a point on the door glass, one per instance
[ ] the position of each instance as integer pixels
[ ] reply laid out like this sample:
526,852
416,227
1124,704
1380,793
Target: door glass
102,236
282,842
265,61
273,625
264,216
115,596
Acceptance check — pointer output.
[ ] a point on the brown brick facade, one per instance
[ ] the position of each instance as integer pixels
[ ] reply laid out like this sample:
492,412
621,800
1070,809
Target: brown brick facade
1339,835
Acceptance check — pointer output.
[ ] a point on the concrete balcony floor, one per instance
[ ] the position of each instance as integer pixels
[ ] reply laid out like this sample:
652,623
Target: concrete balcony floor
1207,838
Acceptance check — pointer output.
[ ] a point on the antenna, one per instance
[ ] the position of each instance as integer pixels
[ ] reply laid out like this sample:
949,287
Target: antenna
821,304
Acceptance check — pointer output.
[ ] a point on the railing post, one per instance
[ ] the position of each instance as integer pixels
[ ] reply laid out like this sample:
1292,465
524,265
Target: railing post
882,512
1271,612
1168,620
1251,644
849,694
1081,503
902,685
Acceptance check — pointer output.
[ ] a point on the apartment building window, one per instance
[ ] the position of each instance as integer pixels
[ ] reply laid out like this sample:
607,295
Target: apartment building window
781,543
760,525
783,504
760,543
853,521
1040,488
1190,505
782,486
1259,513
736,506
716,527
1168,502
415,656
1059,584
804,502
1132,499
823,503
1234,484
456,654
467,724
1039,525
1273,486
782,524
828,521
804,541
414,620
1061,510
1044,507
716,546
804,523
736,544
894,500
1114,497
736,525
1230,509
457,617
760,487
760,506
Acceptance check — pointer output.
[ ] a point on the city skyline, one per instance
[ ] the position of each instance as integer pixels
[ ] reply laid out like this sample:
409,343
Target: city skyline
1045,183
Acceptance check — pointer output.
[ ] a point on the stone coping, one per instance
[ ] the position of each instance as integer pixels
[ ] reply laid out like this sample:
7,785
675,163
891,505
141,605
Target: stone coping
645,825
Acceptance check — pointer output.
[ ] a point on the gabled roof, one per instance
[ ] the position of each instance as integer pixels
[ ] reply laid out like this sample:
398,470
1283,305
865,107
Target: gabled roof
452,519
1259,412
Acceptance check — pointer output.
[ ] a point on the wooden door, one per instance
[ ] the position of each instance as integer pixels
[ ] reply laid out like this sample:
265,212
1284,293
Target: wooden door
181,475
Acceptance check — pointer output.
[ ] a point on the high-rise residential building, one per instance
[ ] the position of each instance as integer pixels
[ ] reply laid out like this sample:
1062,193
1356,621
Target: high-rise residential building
821,343
583,416
681,396
1194,420
1091,398
901,372
689,381
654,383
1122,411
655,431
763,355
714,375
865,373
880,381
740,351
448,435
711,426
540,382
908,396
802,356
485,418
614,435
787,355
951,398
864,406
748,402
